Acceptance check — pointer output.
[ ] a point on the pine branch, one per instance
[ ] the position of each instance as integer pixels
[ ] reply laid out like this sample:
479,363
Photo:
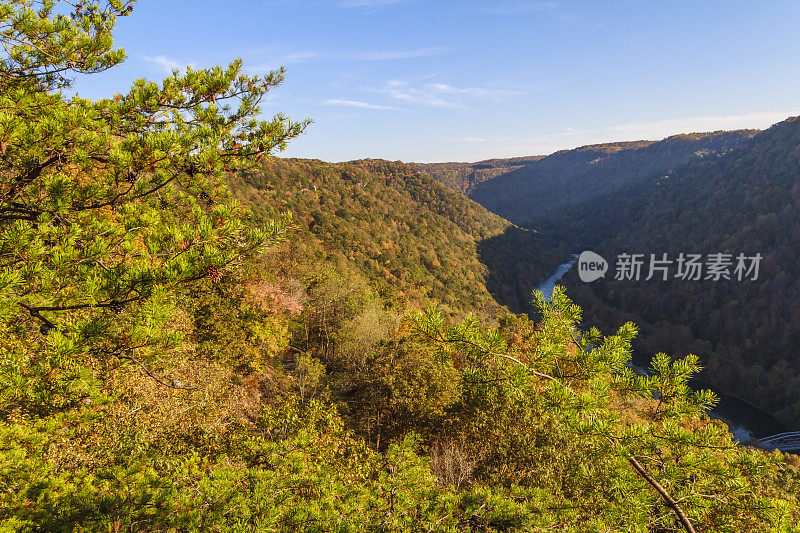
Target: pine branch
687,525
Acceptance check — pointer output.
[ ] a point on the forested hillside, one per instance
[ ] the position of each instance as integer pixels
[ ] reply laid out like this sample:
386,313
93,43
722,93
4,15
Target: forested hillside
546,195
408,234
196,336
528,192
746,201
414,239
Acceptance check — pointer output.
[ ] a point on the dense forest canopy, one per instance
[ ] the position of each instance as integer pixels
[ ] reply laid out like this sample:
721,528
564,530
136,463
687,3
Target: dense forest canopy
198,336
416,240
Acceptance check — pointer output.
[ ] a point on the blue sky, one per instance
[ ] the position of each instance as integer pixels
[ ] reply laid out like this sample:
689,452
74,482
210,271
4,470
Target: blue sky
469,80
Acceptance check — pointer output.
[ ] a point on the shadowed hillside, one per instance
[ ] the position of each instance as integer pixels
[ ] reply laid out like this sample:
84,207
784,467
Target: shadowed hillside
742,202
569,178
722,192
527,191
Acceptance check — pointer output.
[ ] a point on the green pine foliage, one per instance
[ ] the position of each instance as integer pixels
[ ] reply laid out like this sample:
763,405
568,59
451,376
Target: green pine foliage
106,206
167,364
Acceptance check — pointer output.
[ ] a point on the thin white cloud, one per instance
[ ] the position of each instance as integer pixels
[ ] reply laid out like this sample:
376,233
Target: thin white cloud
443,95
356,103
403,91
477,92
286,59
166,64
665,128
309,55
298,57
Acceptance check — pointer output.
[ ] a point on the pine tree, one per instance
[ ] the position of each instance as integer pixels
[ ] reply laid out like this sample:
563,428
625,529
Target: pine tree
106,206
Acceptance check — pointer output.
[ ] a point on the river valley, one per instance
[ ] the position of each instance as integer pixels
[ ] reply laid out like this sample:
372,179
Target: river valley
745,421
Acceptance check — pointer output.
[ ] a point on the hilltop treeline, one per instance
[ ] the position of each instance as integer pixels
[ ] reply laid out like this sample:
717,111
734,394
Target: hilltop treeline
464,177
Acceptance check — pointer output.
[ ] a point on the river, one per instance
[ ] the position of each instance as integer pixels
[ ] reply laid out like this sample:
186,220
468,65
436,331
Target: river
744,420
549,284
